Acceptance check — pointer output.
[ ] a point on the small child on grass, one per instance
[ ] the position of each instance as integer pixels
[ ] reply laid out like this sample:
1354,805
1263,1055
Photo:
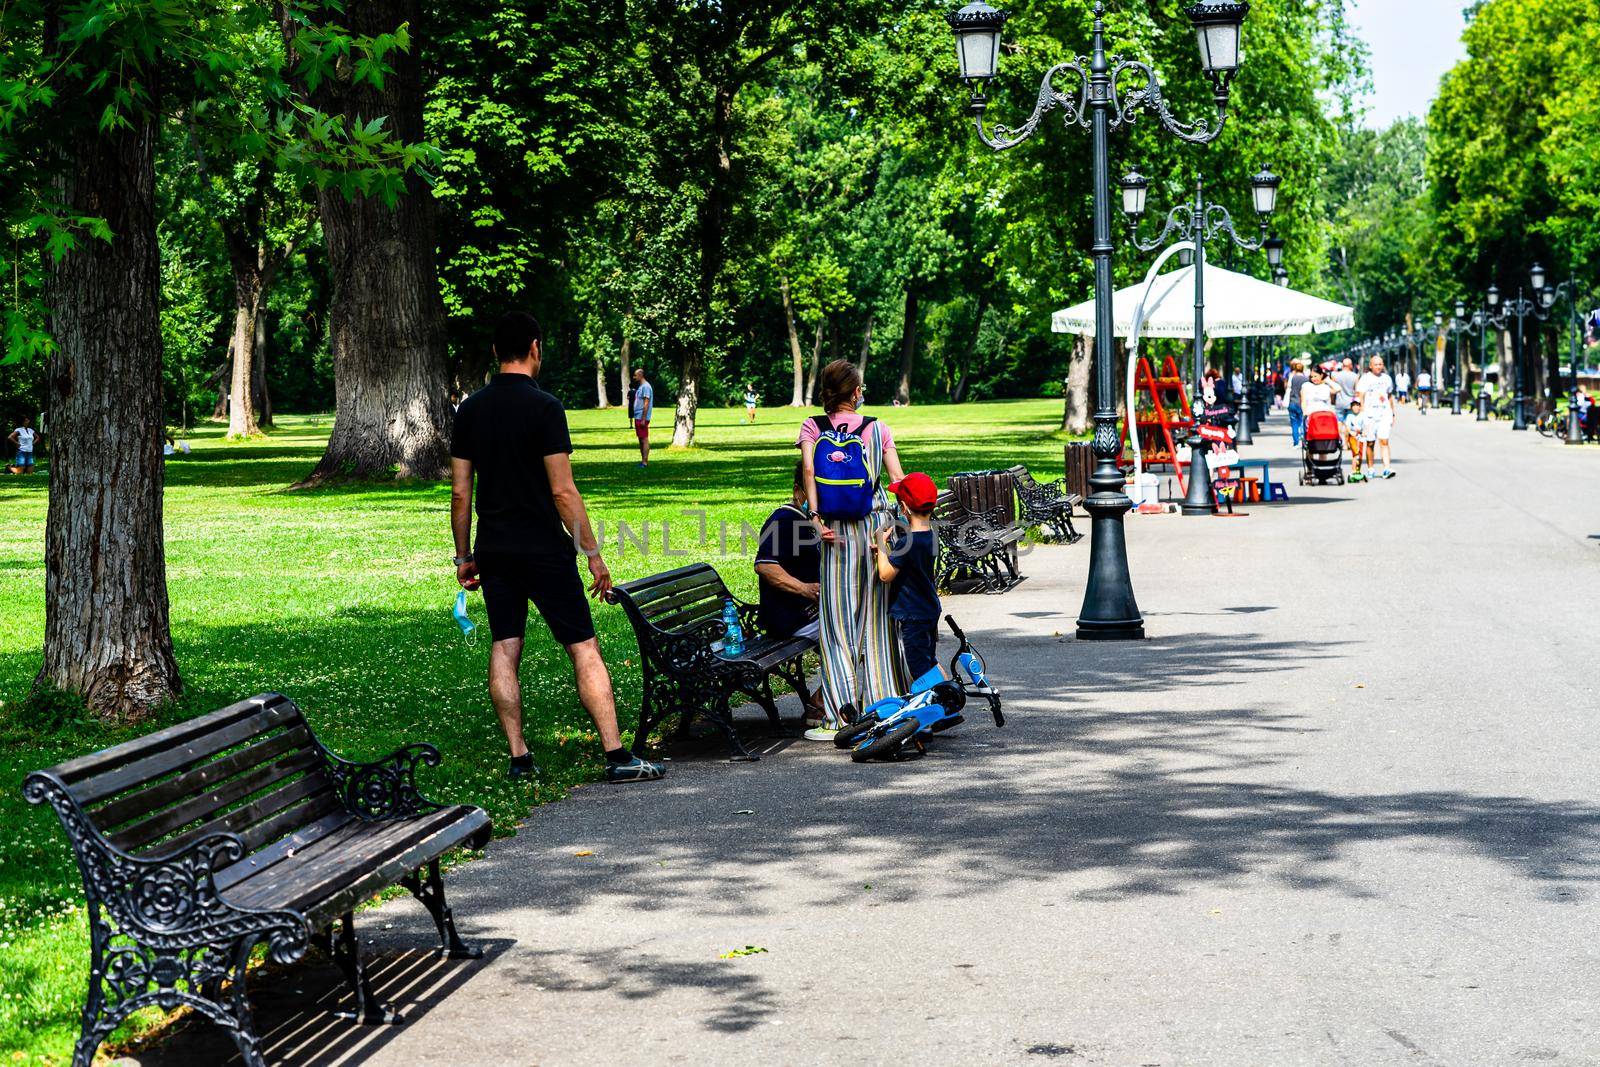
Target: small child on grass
907,563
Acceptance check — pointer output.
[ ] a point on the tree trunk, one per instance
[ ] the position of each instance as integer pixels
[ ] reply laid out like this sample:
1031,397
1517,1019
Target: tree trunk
688,401
798,398
866,348
260,396
241,401
908,350
219,380
958,395
391,393
816,366
1075,415
625,379
106,635
602,401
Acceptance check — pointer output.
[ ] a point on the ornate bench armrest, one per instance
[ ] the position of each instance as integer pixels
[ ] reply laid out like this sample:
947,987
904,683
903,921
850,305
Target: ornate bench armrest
168,902
385,788
688,652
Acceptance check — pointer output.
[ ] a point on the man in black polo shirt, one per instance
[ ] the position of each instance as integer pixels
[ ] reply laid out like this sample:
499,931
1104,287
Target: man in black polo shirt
512,436
789,565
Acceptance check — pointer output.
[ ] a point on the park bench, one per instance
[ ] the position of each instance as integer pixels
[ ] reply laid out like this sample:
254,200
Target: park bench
235,829
1047,506
976,549
677,618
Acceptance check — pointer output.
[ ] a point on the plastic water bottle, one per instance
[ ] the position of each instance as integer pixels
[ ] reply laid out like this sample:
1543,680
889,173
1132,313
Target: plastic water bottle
733,639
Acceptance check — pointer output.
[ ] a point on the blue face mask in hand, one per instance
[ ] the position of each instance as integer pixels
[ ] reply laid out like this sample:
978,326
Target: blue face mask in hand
468,627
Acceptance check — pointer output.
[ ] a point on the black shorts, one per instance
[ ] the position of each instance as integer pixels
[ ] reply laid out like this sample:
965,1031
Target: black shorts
551,582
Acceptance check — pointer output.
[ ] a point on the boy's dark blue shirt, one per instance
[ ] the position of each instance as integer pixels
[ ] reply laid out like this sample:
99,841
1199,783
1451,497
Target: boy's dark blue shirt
912,595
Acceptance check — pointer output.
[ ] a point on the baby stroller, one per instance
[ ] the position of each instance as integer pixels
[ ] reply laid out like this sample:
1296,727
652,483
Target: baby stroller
1322,450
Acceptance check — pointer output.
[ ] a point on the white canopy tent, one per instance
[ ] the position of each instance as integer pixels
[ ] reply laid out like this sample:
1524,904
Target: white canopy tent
1237,305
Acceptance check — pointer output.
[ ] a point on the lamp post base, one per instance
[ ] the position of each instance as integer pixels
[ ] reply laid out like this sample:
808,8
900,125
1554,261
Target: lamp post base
1200,498
1519,413
1244,435
1455,403
1483,407
1110,612
1574,427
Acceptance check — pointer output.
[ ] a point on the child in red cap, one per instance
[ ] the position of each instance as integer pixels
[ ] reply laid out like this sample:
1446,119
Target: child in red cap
907,562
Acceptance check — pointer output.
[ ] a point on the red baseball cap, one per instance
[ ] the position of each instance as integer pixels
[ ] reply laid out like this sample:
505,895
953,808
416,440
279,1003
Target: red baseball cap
916,491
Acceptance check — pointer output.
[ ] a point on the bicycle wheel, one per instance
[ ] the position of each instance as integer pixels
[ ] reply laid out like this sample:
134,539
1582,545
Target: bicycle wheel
886,746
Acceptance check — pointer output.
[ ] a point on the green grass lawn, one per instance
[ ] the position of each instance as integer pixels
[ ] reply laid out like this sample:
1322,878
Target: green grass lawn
341,598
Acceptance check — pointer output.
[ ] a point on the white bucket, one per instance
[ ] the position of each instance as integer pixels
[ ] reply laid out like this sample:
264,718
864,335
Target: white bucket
1147,490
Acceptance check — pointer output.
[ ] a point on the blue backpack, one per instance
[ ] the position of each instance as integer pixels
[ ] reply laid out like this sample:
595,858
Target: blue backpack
846,486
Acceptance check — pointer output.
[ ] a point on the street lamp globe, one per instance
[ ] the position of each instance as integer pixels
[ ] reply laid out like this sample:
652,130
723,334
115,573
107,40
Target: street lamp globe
1493,296
1281,276
1274,247
1461,309
1538,277
1217,24
1186,257
1438,318
1135,190
977,28
1264,189
1547,298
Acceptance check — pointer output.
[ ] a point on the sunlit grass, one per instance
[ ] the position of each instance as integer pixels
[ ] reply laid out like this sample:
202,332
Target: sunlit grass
340,598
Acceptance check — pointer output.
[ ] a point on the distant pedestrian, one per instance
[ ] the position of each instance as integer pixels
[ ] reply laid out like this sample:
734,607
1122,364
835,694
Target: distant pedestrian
24,437
511,439
1344,380
1424,391
1376,390
751,400
644,405
1297,411
1318,394
1402,386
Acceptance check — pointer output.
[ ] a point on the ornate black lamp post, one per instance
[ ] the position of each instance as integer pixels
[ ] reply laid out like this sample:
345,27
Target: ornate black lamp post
1520,308
1101,104
1478,326
1576,299
1198,222
1458,323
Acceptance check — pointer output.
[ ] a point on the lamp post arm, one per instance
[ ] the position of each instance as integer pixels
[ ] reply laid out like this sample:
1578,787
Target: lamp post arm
1219,222
1178,220
1075,108
1147,97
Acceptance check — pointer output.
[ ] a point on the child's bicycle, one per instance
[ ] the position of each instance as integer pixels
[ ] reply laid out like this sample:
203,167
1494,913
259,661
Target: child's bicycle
933,706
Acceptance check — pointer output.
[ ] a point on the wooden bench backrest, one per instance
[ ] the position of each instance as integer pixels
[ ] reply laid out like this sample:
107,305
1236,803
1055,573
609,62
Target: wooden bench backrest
676,601
983,492
252,769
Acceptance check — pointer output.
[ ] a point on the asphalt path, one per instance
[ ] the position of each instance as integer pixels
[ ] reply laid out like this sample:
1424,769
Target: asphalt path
1340,808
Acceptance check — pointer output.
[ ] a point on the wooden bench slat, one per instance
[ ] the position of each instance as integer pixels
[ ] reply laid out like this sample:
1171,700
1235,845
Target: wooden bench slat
255,822
199,808
131,805
646,590
183,755
420,853
265,857
75,770
337,859
689,618
659,609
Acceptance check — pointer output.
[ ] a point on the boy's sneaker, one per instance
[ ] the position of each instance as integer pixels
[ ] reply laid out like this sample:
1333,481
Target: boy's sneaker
635,770
1388,472
820,733
522,767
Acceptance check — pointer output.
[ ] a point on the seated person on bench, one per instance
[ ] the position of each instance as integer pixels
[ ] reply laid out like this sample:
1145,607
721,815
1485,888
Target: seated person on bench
789,565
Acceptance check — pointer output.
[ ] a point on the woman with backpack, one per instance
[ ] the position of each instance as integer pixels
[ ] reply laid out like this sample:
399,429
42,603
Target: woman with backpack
844,455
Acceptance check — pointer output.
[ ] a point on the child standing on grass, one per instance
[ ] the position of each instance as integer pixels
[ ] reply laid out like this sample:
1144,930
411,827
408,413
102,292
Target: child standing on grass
907,564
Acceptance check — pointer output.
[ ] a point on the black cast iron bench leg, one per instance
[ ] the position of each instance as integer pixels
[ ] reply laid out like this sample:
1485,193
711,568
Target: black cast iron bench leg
346,952
431,893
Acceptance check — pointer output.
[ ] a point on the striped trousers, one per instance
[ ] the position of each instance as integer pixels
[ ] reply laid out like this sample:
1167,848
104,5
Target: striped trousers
854,614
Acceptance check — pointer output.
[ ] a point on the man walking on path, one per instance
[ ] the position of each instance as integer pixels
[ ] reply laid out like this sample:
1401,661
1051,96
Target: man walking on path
512,437
644,404
1424,391
1345,378
1376,390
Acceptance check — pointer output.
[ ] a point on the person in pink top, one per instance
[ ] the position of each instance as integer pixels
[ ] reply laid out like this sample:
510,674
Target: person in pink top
859,653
